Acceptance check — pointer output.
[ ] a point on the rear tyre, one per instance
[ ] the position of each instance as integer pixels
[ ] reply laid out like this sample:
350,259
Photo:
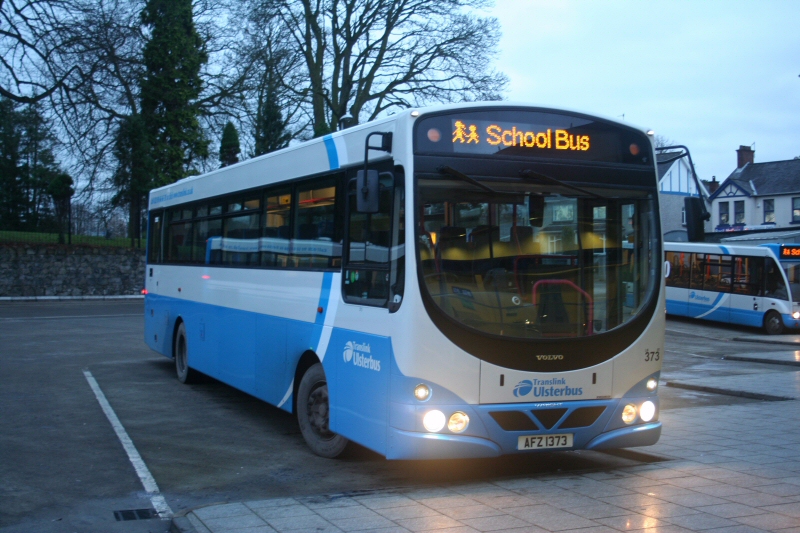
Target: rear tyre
313,414
181,351
773,323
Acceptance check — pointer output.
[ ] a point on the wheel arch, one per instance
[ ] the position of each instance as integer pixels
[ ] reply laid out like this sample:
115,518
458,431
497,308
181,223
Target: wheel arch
307,360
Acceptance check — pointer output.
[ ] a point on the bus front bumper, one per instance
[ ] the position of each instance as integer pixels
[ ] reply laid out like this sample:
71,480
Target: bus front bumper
414,445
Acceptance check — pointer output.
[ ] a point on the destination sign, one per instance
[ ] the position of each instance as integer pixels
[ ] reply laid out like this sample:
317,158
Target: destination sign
530,133
790,251
505,134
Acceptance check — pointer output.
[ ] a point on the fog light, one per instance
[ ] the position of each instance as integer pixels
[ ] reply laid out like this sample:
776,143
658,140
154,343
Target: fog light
796,315
422,392
629,414
458,422
647,411
433,421
652,383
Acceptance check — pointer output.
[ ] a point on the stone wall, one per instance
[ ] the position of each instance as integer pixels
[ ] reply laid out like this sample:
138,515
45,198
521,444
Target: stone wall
59,270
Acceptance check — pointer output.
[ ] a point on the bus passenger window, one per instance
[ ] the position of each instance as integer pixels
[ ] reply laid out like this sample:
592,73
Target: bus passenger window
748,274
154,244
275,240
698,262
240,241
179,247
315,244
207,247
680,269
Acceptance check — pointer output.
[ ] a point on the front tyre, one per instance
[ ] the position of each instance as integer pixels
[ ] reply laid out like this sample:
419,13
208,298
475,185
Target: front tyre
181,351
773,323
313,414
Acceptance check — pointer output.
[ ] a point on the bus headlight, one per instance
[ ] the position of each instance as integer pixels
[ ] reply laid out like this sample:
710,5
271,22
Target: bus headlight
433,421
796,315
422,392
458,422
652,383
629,414
647,411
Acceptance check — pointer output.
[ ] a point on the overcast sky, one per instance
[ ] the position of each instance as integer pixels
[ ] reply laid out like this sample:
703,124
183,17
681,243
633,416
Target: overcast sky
709,74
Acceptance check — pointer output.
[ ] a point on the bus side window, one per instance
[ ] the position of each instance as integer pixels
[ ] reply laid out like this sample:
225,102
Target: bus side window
156,223
748,276
773,282
275,240
697,271
366,278
315,244
680,269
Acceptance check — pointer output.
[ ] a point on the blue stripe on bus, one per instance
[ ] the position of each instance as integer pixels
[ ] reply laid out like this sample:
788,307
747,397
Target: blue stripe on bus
333,156
324,297
725,250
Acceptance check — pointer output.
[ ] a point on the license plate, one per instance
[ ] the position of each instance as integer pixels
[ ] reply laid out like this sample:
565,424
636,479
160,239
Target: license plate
543,442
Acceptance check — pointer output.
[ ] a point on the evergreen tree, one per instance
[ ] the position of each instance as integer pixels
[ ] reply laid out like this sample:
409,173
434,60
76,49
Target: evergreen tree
12,197
270,128
171,86
229,148
39,168
135,167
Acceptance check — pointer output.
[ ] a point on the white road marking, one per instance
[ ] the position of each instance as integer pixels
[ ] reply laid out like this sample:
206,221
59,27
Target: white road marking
156,498
21,319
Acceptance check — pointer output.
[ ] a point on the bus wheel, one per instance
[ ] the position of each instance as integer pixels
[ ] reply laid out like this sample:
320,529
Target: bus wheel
312,414
773,323
181,351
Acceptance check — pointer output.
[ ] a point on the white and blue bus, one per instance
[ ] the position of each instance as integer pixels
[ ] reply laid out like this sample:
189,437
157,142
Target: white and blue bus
461,281
745,285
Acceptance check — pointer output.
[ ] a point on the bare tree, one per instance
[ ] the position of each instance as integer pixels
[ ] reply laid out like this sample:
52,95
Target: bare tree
32,34
366,57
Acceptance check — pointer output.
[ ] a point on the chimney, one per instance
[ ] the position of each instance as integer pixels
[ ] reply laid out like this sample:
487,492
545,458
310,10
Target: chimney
712,185
744,155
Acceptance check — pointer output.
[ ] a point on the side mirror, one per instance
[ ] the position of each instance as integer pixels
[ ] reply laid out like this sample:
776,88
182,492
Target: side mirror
696,215
536,210
367,191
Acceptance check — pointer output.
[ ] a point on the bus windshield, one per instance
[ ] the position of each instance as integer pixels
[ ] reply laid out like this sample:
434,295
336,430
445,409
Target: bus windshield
531,259
792,269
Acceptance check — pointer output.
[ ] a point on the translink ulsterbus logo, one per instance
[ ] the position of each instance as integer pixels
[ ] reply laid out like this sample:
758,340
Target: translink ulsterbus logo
360,355
694,296
544,388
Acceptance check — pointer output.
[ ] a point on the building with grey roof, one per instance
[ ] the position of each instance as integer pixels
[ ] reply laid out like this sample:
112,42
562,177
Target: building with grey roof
758,195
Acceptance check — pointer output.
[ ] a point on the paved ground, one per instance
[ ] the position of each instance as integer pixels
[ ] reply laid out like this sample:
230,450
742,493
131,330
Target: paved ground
716,469
63,468
732,469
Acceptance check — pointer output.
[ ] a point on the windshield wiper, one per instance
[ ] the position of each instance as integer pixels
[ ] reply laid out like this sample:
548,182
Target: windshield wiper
528,173
512,197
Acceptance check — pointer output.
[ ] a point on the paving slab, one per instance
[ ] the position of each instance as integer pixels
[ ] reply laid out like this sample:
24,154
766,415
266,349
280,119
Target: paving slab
774,386
713,479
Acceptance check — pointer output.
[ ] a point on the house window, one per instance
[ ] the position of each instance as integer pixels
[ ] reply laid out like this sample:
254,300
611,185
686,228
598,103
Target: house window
769,211
738,212
724,216
683,216
795,209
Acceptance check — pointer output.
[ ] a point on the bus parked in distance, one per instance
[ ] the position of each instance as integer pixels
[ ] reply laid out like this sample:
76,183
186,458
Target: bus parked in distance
462,281
735,284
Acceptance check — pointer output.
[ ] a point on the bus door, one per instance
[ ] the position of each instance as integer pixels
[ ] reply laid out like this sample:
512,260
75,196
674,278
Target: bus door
747,296
372,282
710,287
